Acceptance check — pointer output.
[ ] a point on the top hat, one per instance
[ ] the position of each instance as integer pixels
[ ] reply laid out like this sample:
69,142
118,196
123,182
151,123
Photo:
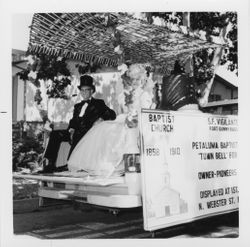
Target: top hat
86,80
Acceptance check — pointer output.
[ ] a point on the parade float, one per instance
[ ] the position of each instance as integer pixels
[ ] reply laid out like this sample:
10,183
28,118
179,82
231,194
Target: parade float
183,166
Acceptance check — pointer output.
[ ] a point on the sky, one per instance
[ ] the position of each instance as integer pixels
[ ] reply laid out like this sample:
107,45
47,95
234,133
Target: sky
20,31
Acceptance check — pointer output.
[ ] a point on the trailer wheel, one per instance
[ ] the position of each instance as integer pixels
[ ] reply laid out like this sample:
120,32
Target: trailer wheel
153,234
115,212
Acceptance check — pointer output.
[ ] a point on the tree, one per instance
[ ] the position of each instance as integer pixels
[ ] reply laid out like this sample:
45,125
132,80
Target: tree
210,22
215,26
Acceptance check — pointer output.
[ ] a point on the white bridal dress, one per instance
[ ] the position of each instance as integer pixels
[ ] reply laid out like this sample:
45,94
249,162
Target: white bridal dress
100,151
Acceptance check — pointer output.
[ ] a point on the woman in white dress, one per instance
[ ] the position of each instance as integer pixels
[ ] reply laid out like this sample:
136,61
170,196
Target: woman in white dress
100,151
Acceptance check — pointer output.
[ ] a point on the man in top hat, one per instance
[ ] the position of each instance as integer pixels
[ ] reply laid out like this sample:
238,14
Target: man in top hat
86,113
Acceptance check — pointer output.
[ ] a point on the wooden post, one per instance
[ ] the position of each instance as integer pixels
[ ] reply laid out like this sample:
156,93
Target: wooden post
186,20
208,85
189,63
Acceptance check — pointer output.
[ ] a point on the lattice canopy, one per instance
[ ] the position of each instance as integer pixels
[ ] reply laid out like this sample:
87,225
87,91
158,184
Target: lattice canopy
88,37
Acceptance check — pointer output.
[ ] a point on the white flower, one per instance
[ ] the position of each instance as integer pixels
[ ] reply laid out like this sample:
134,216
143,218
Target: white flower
30,59
157,21
184,29
32,74
123,68
49,84
130,117
137,15
59,59
136,71
118,49
202,35
175,27
217,40
210,51
60,77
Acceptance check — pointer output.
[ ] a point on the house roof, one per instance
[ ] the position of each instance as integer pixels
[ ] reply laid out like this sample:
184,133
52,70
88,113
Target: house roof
88,37
225,82
222,103
228,78
18,56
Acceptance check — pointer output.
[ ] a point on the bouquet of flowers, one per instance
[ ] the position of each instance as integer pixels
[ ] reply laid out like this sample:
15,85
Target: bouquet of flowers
135,77
135,81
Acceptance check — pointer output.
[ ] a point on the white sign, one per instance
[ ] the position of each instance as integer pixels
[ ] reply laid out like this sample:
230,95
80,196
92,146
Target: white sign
189,166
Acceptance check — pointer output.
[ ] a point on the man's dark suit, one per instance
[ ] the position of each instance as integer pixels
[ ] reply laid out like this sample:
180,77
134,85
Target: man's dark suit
81,124
96,109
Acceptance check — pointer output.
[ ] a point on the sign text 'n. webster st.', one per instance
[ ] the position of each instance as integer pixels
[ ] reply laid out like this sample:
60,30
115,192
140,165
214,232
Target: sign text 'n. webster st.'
189,166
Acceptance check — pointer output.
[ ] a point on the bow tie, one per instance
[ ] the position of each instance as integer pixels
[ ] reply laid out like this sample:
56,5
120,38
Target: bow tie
85,101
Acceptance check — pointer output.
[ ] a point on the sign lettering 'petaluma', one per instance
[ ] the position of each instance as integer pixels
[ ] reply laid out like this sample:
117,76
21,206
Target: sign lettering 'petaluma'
189,166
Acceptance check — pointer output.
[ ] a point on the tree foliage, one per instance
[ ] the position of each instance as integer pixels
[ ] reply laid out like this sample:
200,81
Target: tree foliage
211,23
49,69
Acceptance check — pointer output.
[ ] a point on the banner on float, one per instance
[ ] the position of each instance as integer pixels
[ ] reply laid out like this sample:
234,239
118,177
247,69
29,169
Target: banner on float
188,165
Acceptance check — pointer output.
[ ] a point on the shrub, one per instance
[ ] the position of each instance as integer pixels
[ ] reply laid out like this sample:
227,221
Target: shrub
27,151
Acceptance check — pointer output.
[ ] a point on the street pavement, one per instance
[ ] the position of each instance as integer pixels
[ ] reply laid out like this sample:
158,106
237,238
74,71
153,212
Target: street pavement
65,222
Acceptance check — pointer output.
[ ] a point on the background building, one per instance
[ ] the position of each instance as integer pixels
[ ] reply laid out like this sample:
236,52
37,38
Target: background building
223,98
18,86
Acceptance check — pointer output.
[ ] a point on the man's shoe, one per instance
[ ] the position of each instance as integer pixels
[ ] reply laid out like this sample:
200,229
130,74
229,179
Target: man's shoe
47,169
61,168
